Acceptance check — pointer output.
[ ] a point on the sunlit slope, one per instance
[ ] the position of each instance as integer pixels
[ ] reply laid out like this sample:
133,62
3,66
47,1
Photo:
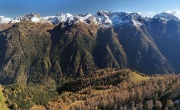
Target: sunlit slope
3,105
135,77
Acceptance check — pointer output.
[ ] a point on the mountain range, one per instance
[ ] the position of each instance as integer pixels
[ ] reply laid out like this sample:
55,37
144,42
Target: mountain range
36,49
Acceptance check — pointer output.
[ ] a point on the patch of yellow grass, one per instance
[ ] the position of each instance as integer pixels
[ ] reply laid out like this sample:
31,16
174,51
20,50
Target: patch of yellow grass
101,91
3,105
135,77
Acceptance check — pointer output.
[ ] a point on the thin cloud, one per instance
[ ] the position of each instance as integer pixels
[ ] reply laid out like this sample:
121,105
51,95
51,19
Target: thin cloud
147,14
174,12
150,14
139,13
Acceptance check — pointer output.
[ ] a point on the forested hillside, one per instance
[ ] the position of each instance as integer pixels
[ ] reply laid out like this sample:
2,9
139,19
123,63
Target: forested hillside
110,89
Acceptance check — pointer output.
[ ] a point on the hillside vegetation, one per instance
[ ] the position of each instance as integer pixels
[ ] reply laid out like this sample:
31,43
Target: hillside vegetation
104,89
3,105
24,97
128,90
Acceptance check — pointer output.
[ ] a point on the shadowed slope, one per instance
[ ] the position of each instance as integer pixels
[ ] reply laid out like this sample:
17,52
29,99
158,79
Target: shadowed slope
142,53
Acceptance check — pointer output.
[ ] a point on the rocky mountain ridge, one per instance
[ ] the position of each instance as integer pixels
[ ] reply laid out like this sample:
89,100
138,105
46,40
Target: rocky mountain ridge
34,50
101,18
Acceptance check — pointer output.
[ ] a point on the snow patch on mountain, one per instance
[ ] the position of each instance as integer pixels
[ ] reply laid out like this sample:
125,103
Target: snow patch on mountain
59,18
67,18
34,17
136,23
120,18
101,18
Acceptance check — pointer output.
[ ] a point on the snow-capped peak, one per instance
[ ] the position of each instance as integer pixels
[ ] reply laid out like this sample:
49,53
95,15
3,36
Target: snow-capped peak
34,17
118,18
101,18
59,18
166,16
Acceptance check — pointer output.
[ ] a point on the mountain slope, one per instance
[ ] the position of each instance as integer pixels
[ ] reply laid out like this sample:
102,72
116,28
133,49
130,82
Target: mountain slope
33,52
166,36
76,45
79,47
142,53
108,51
24,52
3,100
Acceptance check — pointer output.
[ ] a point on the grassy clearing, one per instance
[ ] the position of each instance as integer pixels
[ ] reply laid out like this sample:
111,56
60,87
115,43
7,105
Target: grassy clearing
3,105
135,77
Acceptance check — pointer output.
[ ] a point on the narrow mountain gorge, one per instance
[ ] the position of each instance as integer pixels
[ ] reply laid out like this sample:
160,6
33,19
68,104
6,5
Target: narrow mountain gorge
35,49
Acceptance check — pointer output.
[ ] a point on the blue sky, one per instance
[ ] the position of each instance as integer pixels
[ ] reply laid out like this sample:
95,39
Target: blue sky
13,8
